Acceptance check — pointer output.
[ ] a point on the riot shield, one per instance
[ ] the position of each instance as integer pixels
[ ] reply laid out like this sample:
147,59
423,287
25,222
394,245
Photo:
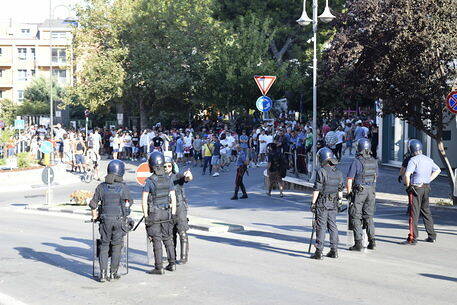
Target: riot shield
96,243
124,262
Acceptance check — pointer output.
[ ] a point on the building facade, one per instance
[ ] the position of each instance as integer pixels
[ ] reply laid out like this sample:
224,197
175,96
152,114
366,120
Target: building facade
31,50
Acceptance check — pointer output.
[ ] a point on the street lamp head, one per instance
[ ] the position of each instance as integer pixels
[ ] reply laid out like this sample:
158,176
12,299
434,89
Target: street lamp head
304,19
327,16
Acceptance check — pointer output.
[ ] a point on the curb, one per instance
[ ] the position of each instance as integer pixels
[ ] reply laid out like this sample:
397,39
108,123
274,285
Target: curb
197,223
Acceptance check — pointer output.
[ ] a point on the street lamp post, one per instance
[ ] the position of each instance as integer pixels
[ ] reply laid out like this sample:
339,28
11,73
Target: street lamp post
304,21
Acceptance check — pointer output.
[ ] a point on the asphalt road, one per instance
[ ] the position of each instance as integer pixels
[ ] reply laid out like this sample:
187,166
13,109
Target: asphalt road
45,258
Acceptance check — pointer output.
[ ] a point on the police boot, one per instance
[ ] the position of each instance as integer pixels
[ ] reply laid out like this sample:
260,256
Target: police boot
332,254
234,197
159,271
317,255
371,244
357,246
171,267
103,276
114,276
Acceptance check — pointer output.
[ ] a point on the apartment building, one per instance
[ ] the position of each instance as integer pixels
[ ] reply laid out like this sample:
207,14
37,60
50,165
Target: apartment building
30,50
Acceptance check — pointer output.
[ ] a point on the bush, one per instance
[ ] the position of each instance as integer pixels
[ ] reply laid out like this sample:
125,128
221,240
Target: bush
25,160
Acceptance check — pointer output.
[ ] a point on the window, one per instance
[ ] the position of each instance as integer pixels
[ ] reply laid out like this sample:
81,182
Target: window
1,72
32,51
22,53
58,35
0,51
60,75
59,56
25,31
21,75
1,94
20,95
32,72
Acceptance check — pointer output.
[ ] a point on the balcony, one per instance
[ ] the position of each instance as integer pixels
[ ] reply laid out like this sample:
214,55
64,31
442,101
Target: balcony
6,82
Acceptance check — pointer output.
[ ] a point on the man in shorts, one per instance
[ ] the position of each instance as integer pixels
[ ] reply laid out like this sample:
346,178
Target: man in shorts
216,158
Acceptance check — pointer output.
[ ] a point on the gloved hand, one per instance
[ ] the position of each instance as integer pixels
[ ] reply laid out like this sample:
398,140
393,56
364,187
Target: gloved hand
411,190
340,201
348,196
400,179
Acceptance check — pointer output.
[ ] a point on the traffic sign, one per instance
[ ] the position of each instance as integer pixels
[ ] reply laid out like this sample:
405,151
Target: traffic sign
264,103
264,83
451,102
46,147
47,175
142,173
19,124
2,124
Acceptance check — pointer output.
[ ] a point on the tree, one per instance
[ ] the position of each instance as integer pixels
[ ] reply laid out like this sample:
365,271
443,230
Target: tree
8,111
403,52
37,97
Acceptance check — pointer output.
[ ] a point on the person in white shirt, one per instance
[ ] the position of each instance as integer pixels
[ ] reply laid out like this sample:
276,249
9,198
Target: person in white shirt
144,143
264,140
187,147
340,134
225,151
151,135
96,140
128,145
231,146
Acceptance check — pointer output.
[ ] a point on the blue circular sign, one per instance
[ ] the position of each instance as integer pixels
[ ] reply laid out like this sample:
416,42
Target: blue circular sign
264,103
46,147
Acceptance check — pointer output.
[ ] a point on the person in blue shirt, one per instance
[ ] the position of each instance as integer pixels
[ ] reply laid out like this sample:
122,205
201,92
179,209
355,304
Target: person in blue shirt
241,163
420,172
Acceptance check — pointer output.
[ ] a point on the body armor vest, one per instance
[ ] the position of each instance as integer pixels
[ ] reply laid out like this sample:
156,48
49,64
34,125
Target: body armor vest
161,195
333,180
368,174
112,200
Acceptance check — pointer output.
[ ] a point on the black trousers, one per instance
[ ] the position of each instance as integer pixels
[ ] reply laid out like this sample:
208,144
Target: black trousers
240,171
326,220
338,151
419,205
207,163
111,235
159,227
362,212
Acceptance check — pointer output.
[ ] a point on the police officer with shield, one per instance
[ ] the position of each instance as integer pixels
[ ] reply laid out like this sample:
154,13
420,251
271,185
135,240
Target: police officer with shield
112,213
159,207
327,197
181,225
361,187
420,172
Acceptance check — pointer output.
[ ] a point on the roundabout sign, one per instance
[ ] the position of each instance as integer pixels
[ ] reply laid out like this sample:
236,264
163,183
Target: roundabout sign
264,103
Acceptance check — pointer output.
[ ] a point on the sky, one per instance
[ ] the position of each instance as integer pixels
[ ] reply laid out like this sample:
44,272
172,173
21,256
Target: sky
34,10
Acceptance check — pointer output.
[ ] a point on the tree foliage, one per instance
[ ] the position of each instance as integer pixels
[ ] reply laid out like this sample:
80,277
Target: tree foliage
403,52
8,111
37,97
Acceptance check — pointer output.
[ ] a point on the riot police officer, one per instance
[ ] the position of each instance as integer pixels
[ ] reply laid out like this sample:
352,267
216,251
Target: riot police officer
420,172
112,213
361,186
159,206
327,196
181,225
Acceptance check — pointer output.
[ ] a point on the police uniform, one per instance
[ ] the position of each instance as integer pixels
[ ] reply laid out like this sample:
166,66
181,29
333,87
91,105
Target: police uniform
159,224
115,207
329,182
363,170
181,225
421,168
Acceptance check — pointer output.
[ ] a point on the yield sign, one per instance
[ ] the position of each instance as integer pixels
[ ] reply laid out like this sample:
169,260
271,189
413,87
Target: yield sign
142,173
264,83
451,102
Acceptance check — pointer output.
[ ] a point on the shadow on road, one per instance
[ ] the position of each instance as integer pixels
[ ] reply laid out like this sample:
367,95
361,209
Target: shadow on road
439,277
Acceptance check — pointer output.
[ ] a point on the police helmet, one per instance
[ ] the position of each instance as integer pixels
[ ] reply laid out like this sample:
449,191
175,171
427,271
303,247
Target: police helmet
156,161
271,147
364,146
116,167
415,147
326,155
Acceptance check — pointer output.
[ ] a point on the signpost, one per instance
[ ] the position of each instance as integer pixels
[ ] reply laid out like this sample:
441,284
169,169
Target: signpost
451,102
46,147
142,173
264,103
2,124
19,124
264,83
47,176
